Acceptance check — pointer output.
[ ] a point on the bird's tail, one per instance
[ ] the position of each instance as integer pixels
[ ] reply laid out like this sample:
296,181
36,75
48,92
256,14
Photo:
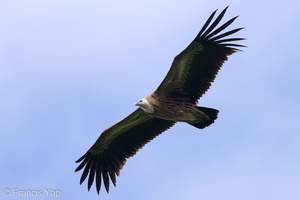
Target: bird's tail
211,113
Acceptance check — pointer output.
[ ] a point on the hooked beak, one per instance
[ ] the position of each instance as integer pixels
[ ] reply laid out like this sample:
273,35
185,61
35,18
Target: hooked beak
138,103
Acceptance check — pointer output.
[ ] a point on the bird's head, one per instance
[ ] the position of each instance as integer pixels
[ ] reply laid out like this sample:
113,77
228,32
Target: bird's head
145,105
141,102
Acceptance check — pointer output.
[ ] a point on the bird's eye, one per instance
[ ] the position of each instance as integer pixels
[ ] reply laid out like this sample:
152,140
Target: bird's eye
141,100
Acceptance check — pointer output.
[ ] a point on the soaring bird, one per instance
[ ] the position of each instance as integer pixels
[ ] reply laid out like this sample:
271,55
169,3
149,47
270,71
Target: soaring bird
175,100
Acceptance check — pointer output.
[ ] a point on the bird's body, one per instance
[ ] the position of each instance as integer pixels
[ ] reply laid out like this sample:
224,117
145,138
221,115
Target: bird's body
175,100
180,110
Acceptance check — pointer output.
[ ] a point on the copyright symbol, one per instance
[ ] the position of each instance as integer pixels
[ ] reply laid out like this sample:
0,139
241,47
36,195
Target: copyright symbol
6,191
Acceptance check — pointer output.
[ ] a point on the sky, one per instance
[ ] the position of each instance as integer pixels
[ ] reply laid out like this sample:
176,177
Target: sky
69,69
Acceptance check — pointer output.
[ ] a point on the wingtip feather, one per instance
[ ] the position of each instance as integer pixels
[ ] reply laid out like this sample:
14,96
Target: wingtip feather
82,164
91,175
84,174
98,178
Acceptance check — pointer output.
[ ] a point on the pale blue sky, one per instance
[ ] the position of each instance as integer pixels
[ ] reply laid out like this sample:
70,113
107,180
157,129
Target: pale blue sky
69,69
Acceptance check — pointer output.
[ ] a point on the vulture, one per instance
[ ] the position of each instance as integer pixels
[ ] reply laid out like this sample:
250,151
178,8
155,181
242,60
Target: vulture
175,100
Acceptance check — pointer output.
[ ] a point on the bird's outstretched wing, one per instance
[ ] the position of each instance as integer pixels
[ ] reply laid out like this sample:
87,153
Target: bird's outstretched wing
104,160
195,68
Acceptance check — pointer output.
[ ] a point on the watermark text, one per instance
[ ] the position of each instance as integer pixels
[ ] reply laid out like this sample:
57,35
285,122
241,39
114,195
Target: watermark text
20,192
